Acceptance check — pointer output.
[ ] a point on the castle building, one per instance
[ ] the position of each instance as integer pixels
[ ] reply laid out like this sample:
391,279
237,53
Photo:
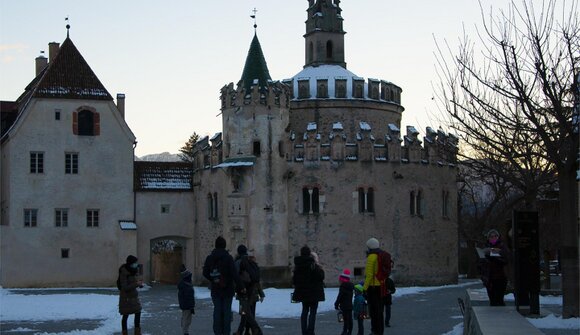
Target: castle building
318,159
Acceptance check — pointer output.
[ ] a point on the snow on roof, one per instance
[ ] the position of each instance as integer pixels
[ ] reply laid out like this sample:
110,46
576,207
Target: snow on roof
237,161
311,126
168,176
412,130
337,126
127,225
364,126
329,72
393,127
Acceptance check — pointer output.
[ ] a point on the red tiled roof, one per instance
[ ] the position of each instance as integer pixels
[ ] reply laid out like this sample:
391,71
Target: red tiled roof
69,76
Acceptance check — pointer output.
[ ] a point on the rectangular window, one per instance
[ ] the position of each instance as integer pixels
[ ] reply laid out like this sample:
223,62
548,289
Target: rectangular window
165,209
30,217
61,217
64,253
57,114
36,162
92,217
256,149
71,163
445,204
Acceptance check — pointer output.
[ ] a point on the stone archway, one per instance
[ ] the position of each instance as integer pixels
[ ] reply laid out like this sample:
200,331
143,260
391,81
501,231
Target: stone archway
166,257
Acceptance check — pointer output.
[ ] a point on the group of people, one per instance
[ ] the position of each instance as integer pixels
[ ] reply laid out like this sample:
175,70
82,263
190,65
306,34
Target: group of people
239,278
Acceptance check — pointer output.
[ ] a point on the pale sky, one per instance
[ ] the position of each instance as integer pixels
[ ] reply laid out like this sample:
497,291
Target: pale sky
171,58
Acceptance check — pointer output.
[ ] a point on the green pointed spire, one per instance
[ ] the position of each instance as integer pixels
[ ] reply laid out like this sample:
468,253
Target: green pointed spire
256,67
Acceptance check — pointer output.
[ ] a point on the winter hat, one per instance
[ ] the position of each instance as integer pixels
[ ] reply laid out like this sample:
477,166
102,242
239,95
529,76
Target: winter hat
131,259
344,276
373,243
305,251
242,250
220,243
359,288
493,231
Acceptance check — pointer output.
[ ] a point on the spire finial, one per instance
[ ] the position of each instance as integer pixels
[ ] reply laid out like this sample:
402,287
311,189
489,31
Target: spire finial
253,16
67,27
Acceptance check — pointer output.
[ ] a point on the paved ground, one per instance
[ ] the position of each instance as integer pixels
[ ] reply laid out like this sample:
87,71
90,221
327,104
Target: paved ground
430,313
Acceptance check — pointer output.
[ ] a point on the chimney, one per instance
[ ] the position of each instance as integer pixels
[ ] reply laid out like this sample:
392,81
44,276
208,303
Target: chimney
53,48
121,104
41,64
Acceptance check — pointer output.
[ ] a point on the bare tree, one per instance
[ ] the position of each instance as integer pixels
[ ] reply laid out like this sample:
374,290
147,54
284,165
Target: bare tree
509,95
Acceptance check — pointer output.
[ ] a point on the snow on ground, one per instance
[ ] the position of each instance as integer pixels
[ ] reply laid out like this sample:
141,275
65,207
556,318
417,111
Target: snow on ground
16,306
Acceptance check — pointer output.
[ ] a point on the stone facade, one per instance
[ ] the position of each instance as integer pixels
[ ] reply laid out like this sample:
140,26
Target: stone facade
319,159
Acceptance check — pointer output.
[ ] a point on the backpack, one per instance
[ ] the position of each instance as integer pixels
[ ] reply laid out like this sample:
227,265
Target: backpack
217,273
249,271
385,264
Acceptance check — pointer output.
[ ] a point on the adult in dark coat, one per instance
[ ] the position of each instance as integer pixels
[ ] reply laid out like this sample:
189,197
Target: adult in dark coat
492,270
248,299
220,270
186,298
308,281
128,296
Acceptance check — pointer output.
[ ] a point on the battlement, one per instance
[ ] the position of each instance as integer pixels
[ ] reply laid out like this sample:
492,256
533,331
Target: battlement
384,145
274,93
335,82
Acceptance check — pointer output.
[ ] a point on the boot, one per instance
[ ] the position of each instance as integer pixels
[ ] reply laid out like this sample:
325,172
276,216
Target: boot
137,331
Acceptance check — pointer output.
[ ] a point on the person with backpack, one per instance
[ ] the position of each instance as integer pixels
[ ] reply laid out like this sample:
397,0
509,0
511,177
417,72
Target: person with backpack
377,270
308,282
250,276
220,270
186,298
129,303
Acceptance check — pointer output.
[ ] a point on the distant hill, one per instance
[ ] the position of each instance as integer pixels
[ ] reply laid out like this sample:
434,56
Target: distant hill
162,157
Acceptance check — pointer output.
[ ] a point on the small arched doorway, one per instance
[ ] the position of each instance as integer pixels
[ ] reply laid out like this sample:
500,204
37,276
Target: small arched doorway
166,257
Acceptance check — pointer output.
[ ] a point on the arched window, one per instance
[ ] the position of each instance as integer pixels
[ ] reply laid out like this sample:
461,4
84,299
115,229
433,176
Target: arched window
315,203
329,50
366,200
210,206
305,201
86,123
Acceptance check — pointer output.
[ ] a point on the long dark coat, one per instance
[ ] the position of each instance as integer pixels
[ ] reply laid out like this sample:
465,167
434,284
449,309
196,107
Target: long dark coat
344,298
308,280
185,292
128,296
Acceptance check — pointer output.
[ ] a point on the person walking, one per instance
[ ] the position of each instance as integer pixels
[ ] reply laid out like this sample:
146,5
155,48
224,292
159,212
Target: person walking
388,301
492,270
344,301
358,308
220,270
186,297
250,276
372,287
129,303
308,282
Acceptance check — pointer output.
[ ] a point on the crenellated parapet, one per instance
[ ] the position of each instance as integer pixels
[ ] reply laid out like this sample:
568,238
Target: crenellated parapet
365,145
333,82
274,93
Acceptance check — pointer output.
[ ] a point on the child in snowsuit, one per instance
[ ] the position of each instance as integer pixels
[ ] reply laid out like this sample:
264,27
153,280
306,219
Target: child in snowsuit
358,308
344,301
389,301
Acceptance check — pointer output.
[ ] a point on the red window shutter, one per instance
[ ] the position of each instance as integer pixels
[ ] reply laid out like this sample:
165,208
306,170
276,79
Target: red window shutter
75,123
96,124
